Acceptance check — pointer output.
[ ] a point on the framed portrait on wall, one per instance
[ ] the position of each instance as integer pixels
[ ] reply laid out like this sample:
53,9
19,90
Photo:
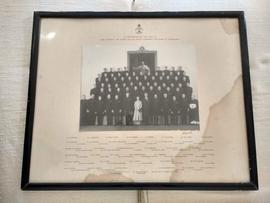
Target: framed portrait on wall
139,100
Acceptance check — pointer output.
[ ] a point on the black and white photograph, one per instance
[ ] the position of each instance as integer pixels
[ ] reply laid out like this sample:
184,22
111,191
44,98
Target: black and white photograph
139,88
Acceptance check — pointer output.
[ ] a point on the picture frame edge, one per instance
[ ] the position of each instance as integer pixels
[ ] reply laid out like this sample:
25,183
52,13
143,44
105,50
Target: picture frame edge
27,146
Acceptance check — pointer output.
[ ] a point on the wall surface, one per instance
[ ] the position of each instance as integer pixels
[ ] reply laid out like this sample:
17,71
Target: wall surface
15,43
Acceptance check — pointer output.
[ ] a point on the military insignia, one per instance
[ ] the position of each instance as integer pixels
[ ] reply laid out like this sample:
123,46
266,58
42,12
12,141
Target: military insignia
139,29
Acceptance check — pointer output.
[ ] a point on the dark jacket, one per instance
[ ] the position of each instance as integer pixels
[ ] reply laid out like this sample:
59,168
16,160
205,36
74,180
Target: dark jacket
127,105
165,105
145,106
155,107
117,106
188,92
108,106
99,107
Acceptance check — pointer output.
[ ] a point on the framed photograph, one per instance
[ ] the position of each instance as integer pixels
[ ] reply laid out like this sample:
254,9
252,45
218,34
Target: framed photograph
139,100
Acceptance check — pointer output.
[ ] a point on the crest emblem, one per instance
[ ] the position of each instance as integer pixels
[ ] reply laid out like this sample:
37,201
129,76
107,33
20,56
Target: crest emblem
139,29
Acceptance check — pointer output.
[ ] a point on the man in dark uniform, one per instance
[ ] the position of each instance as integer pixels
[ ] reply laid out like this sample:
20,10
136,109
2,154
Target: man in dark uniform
160,79
117,110
114,80
104,74
125,69
194,111
103,77
155,109
115,88
98,81
166,71
171,74
108,110
165,108
160,92
184,109
131,85
147,85
122,79
173,71
164,86
105,70
181,89
129,79
124,86
109,91
153,79
176,80
128,109
127,90
155,86
173,111
135,93
168,80
156,74
148,75
179,76
83,113
102,93
99,110
141,75
169,93
140,85
163,74
111,76
133,75
185,79
145,109
151,92
142,92
172,86
145,80
107,81
178,94
118,92
180,71
91,117
118,74
126,74
102,85
188,91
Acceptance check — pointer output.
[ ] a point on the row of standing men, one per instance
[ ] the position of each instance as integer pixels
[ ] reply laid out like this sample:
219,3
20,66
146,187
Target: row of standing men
115,110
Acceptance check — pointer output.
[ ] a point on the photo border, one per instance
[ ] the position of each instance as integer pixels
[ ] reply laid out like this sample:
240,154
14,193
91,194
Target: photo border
251,185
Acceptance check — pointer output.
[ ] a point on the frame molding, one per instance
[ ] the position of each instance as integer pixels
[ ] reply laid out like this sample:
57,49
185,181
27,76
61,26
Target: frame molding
251,185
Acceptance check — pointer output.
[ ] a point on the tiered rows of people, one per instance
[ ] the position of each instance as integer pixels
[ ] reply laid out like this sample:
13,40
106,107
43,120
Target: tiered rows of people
163,97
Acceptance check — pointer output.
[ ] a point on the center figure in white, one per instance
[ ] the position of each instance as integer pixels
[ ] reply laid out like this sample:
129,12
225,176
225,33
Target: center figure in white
137,117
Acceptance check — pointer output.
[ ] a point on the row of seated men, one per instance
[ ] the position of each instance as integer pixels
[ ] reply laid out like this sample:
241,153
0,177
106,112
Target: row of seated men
136,85
136,77
156,110
140,91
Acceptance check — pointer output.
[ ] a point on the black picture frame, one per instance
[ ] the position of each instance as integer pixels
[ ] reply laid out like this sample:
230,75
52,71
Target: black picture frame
251,185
